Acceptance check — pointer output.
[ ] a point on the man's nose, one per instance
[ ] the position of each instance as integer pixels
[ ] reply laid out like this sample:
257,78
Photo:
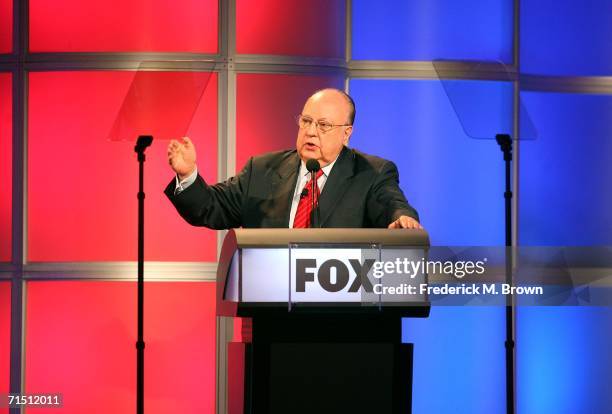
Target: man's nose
312,129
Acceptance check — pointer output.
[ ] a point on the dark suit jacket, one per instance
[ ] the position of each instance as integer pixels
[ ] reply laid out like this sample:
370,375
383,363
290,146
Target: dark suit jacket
361,191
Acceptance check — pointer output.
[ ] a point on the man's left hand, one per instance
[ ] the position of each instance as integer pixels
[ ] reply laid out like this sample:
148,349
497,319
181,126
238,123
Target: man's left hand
405,222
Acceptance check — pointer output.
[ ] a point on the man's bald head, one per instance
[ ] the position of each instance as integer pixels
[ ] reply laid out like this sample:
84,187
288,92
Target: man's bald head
350,119
326,124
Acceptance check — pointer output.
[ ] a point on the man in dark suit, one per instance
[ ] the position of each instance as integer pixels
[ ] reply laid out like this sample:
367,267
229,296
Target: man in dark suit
356,189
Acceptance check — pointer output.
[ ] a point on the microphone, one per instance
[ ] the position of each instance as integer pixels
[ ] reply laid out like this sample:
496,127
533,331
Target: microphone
313,167
304,193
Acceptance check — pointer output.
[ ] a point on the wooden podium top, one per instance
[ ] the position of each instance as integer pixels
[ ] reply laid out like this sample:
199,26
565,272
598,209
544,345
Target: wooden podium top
282,237
256,270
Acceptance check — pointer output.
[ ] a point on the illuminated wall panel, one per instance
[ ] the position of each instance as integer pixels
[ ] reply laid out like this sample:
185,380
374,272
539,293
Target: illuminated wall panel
459,357
280,27
123,26
82,187
81,336
432,29
6,26
576,42
566,172
266,107
455,182
5,339
563,362
6,166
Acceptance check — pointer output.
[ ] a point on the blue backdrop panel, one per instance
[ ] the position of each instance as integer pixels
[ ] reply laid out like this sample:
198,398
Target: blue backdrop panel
432,29
455,182
563,360
459,364
566,173
566,37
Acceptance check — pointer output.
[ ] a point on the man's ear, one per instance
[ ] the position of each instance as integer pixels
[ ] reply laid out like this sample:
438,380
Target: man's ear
347,134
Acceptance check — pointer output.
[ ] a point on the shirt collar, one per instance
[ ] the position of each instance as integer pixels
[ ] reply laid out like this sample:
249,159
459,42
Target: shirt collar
326,169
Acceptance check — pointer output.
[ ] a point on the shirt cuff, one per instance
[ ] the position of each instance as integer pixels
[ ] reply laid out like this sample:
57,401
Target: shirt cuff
186,182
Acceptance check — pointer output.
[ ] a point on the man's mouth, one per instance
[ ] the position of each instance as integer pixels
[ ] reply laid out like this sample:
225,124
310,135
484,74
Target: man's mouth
310,146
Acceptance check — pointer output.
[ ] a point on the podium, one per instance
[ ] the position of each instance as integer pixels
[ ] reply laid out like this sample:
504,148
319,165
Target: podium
320,332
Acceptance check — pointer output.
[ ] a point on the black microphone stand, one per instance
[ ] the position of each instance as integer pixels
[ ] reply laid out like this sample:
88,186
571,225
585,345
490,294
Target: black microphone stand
313,166
142,143
505,143
313,177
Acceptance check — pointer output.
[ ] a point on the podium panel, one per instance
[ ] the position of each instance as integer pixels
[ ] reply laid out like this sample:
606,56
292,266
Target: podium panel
321,317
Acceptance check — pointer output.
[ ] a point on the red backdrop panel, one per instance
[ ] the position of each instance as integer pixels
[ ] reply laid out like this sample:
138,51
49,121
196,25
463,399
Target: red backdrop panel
6,166
123,26
81,336
266,107
6,26
82,187
5,337
281,27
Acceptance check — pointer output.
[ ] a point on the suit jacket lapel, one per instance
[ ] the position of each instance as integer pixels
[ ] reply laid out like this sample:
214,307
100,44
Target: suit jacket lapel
285,185
336,184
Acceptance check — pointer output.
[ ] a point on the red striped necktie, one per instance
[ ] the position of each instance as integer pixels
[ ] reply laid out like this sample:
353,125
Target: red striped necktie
304,209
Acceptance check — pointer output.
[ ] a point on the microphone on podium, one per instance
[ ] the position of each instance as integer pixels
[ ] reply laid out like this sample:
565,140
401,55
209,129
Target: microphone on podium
313,167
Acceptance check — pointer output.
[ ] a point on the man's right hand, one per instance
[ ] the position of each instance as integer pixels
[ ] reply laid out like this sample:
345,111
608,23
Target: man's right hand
182,157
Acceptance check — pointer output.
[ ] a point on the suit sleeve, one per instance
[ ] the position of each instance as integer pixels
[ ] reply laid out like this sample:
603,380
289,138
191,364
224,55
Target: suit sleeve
216,206
386,201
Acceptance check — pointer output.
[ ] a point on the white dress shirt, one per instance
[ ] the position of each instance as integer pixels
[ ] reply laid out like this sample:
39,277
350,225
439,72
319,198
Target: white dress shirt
303,178
181,185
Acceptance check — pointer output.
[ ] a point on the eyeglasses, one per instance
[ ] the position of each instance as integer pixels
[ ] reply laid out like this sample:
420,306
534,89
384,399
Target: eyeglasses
323,126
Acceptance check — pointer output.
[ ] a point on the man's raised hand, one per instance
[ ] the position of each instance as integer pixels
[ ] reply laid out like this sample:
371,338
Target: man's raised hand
182,157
